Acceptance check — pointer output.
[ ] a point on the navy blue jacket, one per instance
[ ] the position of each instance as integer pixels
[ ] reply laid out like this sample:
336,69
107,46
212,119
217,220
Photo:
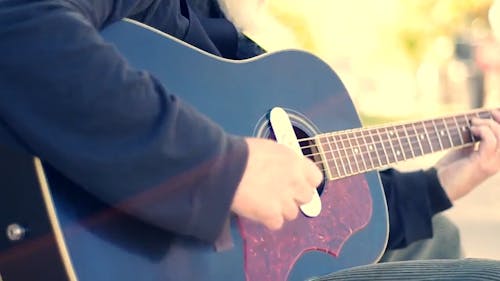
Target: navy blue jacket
71,99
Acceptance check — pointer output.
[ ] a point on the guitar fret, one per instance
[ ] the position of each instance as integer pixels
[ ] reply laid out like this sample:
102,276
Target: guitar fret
388,139
443,133
362,148
396,145
344,155
372,148
462,141
326,151
395,151
335,155
416,135
412,139
427,137
465,128
379,147
351,153
404,140
447,131
386,145
469,117
338,155
454,131
367,151
354,151
436,133
434,147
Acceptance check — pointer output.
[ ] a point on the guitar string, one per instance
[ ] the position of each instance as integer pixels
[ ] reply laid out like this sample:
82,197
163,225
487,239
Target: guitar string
386,131
343,159
321,164
413,140
466,117
357,142
419,125
358,133
367,149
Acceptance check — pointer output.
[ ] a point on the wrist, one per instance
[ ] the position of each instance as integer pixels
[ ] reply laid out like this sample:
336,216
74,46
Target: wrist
458,182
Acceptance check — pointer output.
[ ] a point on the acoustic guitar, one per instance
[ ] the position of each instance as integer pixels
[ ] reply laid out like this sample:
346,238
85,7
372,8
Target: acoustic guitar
54,230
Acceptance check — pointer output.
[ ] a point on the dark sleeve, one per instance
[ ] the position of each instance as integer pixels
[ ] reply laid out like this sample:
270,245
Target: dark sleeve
69,97
413,198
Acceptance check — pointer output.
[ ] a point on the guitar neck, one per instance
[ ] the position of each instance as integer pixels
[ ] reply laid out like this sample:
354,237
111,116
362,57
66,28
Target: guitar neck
350,152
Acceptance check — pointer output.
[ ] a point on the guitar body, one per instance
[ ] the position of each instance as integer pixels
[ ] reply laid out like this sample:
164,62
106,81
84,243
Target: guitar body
104,244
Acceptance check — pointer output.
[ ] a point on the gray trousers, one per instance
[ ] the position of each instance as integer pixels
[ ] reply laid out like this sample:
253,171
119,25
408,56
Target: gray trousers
439,258
445,244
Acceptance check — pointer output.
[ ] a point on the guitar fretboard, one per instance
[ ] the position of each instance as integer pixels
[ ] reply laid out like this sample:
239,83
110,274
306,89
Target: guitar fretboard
350,152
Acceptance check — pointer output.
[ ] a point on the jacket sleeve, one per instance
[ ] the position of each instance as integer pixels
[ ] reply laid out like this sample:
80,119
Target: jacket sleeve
71,99
413,198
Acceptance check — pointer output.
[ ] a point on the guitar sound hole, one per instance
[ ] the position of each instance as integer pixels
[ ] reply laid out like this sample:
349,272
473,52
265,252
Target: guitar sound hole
308,148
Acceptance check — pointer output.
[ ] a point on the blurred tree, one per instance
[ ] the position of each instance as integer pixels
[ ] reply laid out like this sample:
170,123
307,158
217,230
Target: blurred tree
422,22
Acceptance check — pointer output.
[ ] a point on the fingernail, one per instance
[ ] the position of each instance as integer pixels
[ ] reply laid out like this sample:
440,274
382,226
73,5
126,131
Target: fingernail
496,114
474,129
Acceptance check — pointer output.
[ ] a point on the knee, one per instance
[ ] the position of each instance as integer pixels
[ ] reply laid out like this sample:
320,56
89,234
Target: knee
445,230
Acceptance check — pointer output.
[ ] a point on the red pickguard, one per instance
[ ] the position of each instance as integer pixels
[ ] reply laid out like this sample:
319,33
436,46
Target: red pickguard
270,255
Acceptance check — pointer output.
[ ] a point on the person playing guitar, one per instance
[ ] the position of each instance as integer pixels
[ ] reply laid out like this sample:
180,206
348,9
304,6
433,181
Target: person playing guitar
138,142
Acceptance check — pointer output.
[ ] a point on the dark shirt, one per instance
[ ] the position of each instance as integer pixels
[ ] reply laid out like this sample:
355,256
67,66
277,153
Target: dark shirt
71,99
413,198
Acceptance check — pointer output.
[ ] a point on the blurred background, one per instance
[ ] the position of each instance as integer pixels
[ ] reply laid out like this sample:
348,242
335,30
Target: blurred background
422,55
406,60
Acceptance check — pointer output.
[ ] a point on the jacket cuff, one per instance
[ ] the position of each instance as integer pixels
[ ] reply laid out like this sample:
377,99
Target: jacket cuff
438,199
212,204
418,207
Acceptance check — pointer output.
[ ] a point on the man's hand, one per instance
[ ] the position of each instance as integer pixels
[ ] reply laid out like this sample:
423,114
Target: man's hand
275,183
460,171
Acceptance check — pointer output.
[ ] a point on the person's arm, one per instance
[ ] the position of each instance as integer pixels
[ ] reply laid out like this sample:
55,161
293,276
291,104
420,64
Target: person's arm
71,99
463,170
414,197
